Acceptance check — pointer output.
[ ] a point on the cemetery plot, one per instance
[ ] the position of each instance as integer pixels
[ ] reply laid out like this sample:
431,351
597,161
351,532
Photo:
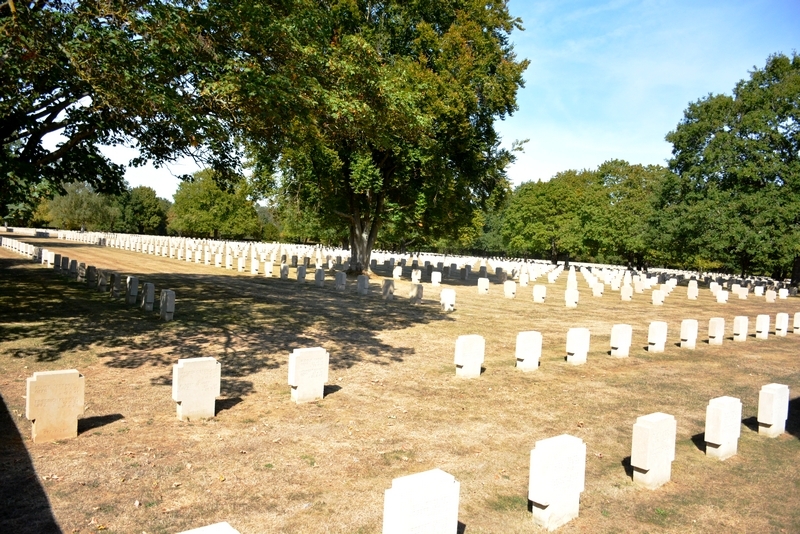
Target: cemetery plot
392,404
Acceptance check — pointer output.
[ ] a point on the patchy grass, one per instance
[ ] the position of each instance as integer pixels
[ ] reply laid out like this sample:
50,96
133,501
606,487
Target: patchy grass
393,406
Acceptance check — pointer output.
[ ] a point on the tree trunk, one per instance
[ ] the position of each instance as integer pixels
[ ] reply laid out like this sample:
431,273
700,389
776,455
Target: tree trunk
553,252
796,271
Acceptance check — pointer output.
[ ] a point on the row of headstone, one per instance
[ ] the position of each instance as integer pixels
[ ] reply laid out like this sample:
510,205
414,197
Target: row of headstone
470,349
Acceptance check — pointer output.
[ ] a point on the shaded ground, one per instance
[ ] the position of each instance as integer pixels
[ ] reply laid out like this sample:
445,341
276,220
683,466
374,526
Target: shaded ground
393,405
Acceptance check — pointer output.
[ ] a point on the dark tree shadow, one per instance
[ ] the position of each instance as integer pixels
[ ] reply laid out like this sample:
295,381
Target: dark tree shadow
25,507
330,389
751,423
793,421
699,441
626,464
96,421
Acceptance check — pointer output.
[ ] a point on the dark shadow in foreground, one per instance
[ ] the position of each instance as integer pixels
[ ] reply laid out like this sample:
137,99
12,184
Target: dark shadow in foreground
626,464
462,528
23,502
793,421
88,423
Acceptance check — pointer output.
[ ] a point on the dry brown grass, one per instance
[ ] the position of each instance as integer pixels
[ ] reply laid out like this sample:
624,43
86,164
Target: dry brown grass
393,407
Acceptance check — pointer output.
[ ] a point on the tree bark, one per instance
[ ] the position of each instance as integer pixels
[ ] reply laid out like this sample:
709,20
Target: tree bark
796,271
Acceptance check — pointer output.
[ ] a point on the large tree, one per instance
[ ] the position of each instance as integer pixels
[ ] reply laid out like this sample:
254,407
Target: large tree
401,126
735,195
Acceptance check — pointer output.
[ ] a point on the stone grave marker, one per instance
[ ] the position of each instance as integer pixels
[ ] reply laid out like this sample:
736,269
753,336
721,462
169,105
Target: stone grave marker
510,289
102,280
781,324
284,271
387,289
447,299
55,262
783,293
131,290
692,291
301,274
770,296
773,409
415,294
762,326
598,289
148,296
73,268
722,296
397,272
167,304
362,285
529,350
557,477
653,449
218,260
91,275
571,297
436,278
723,426
716,330
64,264
758,291
656,336
53,402
308,373
689,328
626,293
657,297
740,326
341,281
577,345
621,335
195,387
469,355
539,293
319,277
483,286
424,503
796,323
416,276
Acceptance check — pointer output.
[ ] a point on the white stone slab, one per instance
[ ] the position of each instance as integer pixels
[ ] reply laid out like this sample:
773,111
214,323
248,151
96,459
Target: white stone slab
447,299
722,296
598,289
657,297
539,293
626,293
781,324
319,277
741,324
53,402
132,290
796,323
716,330
656,336
308,373
557,479
689,329
167,304
362,285
341,281
653,449
415,294
621,335
436,278
387,289
469,355
483,286
423,503
762,326
783,293
571,298
528,350
577,345
148,296
723,427
773,409
195,387
770,296
510,289
397,272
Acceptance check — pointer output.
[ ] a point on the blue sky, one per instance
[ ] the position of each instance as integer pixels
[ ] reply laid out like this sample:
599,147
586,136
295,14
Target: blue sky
610,79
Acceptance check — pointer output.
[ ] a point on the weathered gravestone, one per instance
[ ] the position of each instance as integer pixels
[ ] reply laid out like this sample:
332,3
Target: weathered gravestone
723,427
653,449
529,350
116,282
53,402
148,296
284,271
621,335
773,409
469,355
167,304
716,330
195,387
362,285
510,289
423,503
387,289
415,294
626,293
319,277
770,296
436,278
91,275
539,293
56,261
571,297
308,373
577,345
557,477
483,286
301,274
102,280
781,324
447,299
762,326
740,326
656,336
689,328
341,281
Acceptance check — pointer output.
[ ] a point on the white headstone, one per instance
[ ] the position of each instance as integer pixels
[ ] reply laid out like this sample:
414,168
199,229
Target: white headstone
148,296
773,409
656,336
167,304
53,402
621,335
387,289
783,293
781,324
626,293
268,268
483,286
740,326
447,298
284,271
571,297
529,350
716,330
796,323
362,285
319,277
469,355
770,296
308,373
424,503
132,290
341,281
689,328
653,449
195,387
598,289
510,289
762,326
557,477
722,296
415,294
539,293
397,272
577,345
657,297
301,274
723,426
692,291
